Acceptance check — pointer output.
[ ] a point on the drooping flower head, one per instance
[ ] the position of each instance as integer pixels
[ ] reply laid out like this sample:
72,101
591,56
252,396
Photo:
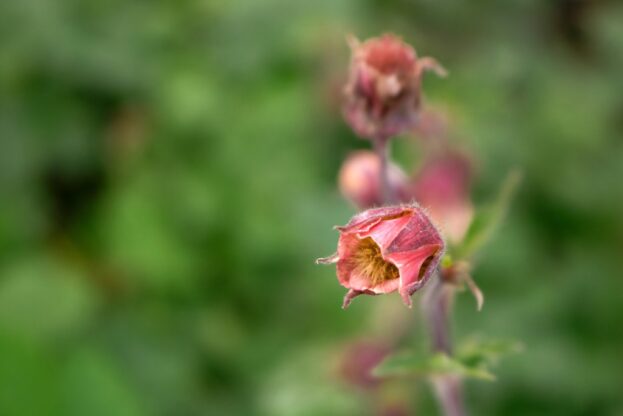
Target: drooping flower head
384,250
359,180
442,186
383,92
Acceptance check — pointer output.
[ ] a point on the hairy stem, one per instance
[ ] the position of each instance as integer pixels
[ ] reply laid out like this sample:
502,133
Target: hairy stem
381,147
437,306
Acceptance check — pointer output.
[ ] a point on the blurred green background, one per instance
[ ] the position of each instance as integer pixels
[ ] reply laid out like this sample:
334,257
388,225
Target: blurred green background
167,177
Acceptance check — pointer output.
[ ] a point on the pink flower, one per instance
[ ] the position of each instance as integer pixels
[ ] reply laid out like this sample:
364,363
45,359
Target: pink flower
359,180
388,249
383,92
442,187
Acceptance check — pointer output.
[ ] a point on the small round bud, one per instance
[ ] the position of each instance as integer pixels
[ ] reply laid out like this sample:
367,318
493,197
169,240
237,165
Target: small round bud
359,180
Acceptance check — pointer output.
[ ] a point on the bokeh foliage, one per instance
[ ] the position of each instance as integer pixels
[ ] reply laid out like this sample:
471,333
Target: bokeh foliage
167,176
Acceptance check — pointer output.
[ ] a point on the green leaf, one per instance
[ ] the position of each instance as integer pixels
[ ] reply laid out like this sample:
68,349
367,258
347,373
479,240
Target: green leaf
475,352
44,298
472,360
438,364
94,384
489,218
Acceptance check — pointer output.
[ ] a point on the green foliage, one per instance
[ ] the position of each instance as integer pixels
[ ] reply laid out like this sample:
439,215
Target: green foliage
93,385
428,365
167,177
488,218
472,360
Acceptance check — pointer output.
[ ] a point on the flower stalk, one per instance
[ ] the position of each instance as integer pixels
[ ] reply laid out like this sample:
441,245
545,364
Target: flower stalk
437,308
382,148
398,248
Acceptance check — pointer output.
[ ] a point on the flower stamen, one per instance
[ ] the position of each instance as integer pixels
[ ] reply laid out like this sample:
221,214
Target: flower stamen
369,262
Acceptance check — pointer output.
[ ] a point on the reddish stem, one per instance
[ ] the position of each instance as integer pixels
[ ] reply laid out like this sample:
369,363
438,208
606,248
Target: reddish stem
437,307
381,147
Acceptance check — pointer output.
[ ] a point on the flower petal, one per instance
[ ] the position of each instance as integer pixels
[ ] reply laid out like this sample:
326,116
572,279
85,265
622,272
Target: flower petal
364,221
417,233
410,264
351,294
386,231
362,283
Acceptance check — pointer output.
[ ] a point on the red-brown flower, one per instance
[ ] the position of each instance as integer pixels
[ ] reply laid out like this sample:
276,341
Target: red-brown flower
388,249
359,180
383,92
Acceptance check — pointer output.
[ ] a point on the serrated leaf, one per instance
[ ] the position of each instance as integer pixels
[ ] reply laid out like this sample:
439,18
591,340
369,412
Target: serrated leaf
488,219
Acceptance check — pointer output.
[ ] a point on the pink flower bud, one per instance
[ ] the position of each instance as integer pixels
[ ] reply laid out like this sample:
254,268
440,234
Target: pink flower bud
442,187
359,180
388,249
383,92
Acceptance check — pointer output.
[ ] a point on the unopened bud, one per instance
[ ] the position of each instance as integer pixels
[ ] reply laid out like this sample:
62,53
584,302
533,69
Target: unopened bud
359,180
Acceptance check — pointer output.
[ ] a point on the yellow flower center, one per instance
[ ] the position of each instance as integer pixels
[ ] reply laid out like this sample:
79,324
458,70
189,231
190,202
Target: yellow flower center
368,261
